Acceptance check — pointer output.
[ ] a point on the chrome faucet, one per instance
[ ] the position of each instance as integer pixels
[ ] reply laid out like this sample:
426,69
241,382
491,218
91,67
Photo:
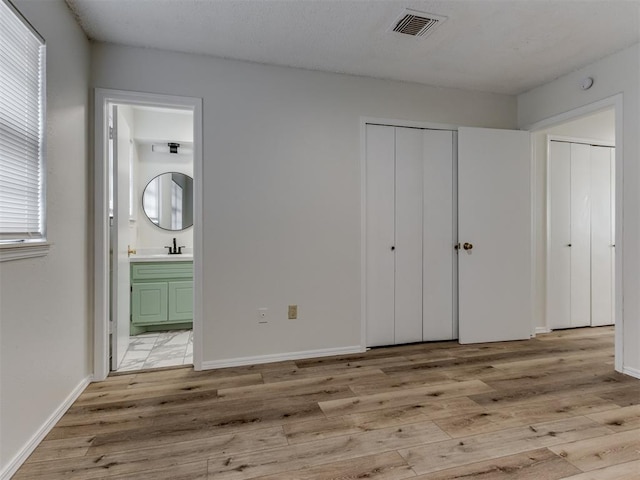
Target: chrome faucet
174,250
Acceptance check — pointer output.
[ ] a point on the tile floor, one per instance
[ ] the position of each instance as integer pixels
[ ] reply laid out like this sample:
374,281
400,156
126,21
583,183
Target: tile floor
158,349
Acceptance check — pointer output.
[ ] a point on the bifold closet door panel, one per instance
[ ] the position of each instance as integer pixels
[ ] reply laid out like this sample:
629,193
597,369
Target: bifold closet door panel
438,236
408,251
580,235
380,218
601,239
559,264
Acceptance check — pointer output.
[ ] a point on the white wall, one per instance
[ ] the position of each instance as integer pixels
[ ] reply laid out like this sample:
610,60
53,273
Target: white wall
163,125
45,326
618,73
282,187
599,126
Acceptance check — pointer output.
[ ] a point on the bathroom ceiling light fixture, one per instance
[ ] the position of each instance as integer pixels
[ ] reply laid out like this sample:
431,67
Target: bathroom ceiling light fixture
171,147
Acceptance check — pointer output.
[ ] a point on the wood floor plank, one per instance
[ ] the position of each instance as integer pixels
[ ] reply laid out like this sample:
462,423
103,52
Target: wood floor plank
58,449
99,465
398,398
541,464
270,462
625,396
454,453
301,432
492,418
385,466
619,420
228,417
595,453
402,381
624,471
181,471
582,385
284,388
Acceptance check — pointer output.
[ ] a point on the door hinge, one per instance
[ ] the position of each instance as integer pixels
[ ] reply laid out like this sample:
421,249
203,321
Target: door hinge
110,133
131,288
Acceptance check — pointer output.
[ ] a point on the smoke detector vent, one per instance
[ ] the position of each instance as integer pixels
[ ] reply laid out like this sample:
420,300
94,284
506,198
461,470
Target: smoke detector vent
416,24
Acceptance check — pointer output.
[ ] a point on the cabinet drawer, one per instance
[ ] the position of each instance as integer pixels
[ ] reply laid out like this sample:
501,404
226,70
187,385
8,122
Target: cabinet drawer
161,270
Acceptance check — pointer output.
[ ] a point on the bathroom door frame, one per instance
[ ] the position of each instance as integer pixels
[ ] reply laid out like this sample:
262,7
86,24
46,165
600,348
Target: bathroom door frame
101,308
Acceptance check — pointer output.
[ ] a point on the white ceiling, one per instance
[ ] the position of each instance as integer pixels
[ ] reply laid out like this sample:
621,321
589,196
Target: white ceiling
501,46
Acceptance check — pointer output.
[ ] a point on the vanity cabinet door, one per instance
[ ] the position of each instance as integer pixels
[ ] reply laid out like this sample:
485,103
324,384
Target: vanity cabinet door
180,301
149,302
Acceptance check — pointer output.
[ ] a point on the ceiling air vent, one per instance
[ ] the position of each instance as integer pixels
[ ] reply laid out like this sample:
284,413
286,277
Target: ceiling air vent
417,24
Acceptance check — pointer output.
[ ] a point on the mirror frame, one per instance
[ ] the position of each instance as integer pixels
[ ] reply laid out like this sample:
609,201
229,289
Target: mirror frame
147,215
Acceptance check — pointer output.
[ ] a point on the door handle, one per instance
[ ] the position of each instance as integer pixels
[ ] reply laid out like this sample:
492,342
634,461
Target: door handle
393,248
456,246
568,244
467,246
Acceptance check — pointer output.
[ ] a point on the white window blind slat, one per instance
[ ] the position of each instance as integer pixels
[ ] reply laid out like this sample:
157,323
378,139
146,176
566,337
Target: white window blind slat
22,64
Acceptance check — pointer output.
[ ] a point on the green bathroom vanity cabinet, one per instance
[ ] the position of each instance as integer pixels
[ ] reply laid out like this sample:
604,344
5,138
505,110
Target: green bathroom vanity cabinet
161,296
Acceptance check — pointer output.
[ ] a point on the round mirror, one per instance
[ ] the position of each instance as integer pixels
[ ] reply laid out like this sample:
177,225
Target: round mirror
167,201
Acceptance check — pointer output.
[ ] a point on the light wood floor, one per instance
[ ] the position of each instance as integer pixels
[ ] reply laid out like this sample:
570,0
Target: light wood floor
548,408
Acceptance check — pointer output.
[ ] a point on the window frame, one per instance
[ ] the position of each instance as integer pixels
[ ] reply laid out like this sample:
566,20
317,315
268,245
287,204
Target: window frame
25,246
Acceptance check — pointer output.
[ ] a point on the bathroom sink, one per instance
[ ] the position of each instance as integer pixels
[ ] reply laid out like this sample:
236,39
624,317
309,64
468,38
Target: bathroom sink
161,257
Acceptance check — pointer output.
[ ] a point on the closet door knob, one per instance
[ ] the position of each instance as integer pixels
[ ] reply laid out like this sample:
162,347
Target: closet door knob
568,244
467,246
393,247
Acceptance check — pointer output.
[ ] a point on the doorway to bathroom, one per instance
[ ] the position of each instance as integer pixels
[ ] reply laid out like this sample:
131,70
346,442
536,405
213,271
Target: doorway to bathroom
147,231
151,211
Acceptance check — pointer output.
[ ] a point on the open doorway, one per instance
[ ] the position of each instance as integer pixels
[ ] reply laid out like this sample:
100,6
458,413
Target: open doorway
151,238
576,213
148,194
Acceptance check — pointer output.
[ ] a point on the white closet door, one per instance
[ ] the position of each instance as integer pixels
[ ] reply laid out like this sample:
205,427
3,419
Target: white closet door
380,218
408,244
438,236
580,235
494,215
613,235
559,235
601,240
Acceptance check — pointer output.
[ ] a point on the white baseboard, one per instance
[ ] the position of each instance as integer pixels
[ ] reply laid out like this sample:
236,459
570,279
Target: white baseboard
279,357
14,464
541,330
632,372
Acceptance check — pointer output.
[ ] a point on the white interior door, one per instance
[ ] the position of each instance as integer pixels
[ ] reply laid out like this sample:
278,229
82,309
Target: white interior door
408,243
494,220
602,255
380,235
120,301
410,231
580,235
559,236
439,269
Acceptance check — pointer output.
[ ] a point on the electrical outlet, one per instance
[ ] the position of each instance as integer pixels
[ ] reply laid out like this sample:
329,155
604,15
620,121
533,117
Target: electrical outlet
293,312
262,315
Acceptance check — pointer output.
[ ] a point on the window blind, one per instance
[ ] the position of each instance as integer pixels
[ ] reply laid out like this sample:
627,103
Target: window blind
22,87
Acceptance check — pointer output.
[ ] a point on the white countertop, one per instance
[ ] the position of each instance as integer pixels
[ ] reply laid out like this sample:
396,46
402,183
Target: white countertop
161,257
